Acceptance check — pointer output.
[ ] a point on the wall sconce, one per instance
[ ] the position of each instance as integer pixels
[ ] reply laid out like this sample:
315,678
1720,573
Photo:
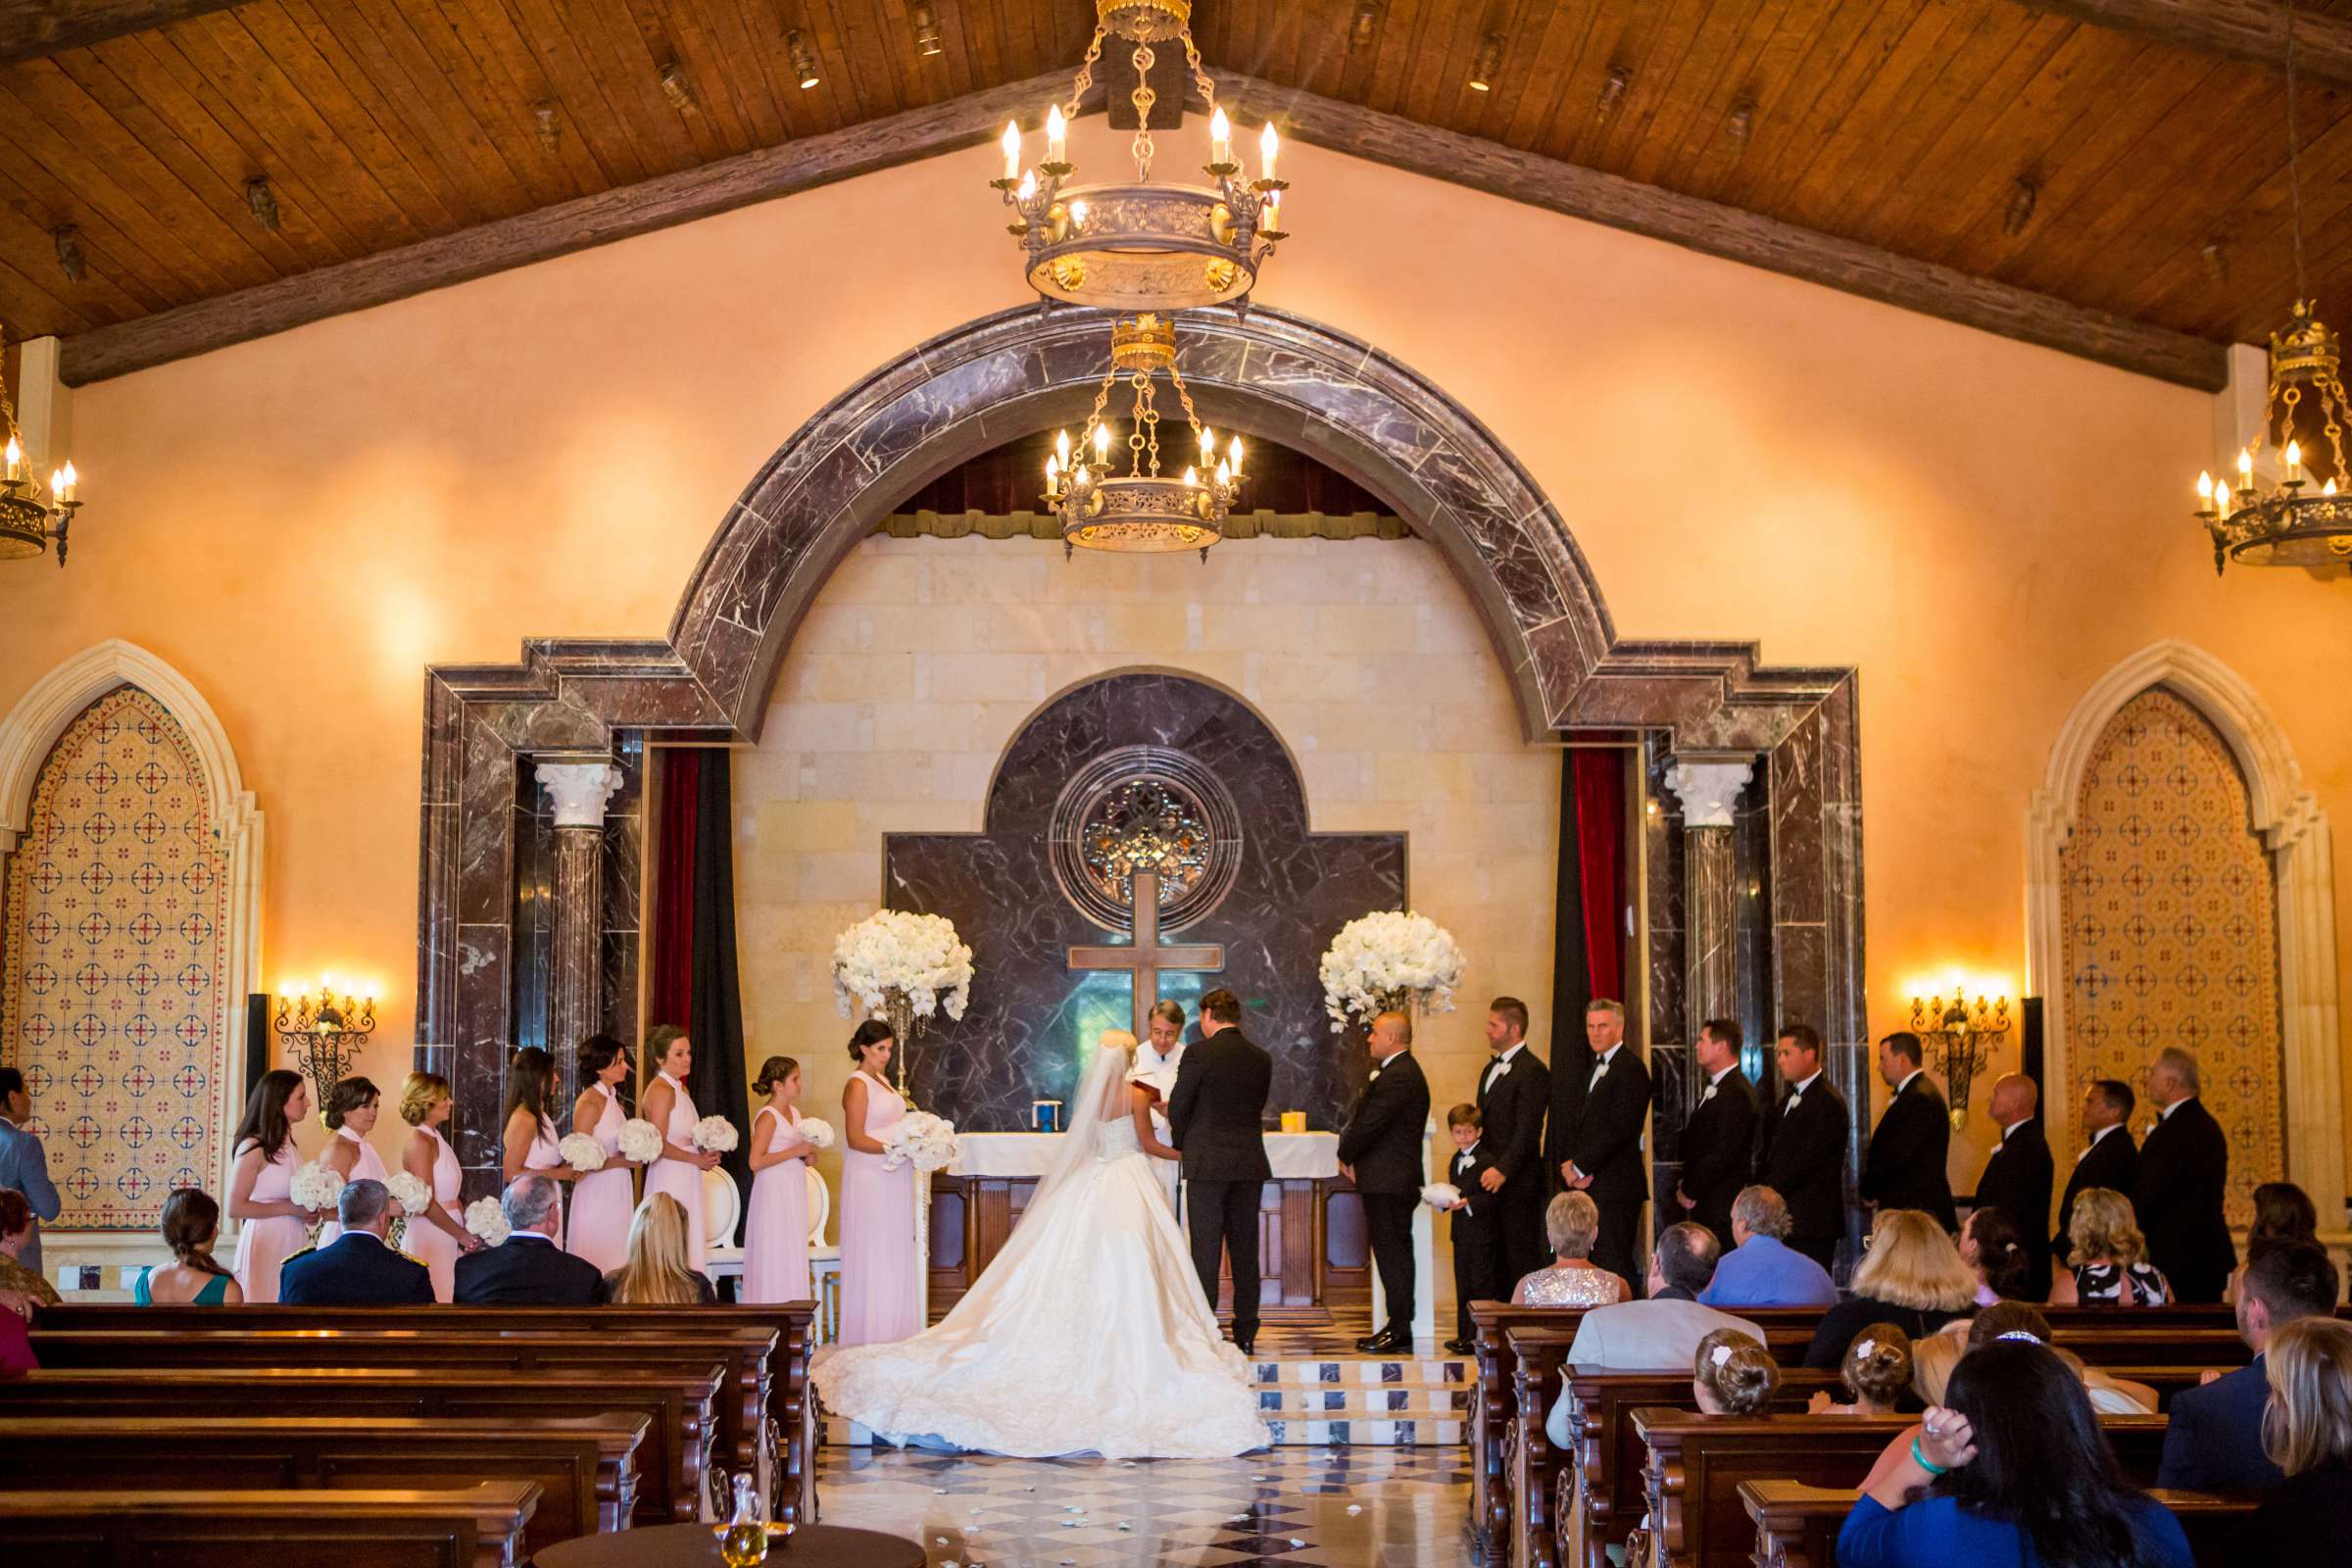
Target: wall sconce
323,1035
1964,1035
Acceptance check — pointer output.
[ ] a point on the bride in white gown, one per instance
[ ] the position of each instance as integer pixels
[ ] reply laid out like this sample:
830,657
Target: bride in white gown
1087,1334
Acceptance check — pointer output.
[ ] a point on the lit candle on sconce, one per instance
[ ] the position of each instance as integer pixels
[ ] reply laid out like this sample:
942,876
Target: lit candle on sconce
1013,151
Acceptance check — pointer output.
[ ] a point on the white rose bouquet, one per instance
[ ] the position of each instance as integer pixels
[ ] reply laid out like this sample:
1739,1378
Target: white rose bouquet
409,1191
816,1132
487,1220
715,1135
921,1140
640,1141
1392,961
316,1187
581,1152
892,956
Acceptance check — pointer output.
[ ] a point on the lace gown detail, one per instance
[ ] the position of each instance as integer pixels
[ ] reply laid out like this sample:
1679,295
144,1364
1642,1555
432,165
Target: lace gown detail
1087,1334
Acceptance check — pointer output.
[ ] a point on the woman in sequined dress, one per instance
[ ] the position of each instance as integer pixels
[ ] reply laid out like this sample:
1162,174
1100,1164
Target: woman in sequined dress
1570,1224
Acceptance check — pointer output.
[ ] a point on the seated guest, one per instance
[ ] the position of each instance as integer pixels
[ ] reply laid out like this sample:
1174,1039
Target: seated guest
17,1235
529,1269
1731,1374
1911,1277
1992,1244
191,1221
2014,1470
1570,1224
2109,1267
15,1344
1661,1332
359,1267
2016,1320
2213,1441
1877,1372
2282,1212
1762,1269
1933,1361
657,1273
2308,1435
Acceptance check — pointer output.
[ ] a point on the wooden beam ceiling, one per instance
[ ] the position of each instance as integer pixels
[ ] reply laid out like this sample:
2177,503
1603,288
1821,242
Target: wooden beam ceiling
31,29
2238,30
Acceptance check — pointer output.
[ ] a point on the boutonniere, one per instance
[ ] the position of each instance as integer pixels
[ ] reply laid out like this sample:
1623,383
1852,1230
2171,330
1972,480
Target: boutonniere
1710,1093
1500,1068
1375,1078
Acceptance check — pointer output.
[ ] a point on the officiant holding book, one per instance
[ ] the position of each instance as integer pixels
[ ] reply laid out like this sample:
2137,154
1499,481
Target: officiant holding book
1216,1119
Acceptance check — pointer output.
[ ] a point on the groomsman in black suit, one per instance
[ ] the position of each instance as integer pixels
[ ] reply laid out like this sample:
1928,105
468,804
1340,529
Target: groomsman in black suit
2110,1158
2184,1171
1719,1140
1381,1153
1216,1119
1604,1147
1913,1142
1804,1147
2017,1178
1513,1093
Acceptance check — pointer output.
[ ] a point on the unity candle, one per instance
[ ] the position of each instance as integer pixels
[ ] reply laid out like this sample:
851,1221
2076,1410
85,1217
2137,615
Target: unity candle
1294,1121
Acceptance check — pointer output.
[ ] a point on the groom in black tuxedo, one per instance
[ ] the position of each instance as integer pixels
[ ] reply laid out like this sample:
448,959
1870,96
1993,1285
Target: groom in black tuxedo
1216,1119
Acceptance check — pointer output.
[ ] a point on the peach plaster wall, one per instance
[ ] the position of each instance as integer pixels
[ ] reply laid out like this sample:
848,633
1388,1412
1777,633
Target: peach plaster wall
301,523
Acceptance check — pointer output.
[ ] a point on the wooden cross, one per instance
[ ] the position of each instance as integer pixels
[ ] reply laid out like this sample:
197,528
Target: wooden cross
1147,957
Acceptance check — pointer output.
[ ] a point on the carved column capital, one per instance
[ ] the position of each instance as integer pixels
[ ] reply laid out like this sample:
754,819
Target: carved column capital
579,791
1708,787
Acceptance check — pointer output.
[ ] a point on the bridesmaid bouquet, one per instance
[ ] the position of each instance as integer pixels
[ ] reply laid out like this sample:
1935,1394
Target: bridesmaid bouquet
816,1132
581,1152
1441,1195
715,1135
921,1140
1389,962
487,1220
640,1141
413,1196
316,1187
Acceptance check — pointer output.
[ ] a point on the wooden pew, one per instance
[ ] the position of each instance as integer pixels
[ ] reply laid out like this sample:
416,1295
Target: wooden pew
1696,1464
790,1444
1797,1524
585,1467
477,1527
679,1410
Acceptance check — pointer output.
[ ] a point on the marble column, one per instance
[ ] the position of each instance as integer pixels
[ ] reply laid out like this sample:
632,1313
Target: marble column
1708,789
577,793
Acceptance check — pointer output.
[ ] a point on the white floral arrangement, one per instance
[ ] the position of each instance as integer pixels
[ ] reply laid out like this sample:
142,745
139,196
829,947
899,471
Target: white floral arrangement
1389,961
816,1132
1441,1195
921,1140
487,1220
715,1135
581,1152
316,1187
640,1141
409,1191
917,956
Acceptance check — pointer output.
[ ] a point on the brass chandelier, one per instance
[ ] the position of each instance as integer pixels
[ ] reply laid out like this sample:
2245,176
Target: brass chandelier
2275,514
27,521
1143,246
1142,509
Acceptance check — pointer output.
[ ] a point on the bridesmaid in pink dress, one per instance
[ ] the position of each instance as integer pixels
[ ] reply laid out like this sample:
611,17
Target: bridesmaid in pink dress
352,1107
439,1234
528,1142
270,1227
605,1200
877,1206
678,1170
775,1237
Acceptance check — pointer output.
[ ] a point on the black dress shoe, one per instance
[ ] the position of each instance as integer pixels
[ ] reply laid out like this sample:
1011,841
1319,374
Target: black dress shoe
1386,1343
1461,1346
1372,1344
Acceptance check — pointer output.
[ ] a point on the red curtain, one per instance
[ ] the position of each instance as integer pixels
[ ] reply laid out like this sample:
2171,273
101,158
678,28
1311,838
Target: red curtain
671,993
1601,858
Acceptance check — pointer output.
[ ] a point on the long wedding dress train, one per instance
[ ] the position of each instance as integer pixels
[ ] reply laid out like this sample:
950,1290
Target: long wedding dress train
1088,1333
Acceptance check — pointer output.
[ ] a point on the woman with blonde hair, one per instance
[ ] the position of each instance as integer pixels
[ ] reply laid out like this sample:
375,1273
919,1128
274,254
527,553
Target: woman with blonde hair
2109,1256
657,1272
1570,1223
439,1235
1912,1277
1933,1359
2307,1431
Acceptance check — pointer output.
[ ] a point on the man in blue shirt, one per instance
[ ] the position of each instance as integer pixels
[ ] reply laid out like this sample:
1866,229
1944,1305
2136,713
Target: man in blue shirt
24,1165
2213,1441
1762,1269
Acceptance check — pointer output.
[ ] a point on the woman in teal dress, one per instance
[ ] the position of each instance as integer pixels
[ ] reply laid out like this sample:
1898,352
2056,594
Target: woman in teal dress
192,1219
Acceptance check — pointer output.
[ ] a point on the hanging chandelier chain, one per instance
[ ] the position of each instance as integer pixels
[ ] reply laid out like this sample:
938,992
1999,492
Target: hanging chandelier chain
1192,61
1144,98
2294,154
1086,73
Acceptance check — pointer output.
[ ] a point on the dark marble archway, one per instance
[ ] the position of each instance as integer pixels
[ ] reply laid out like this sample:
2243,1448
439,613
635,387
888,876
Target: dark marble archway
1270,375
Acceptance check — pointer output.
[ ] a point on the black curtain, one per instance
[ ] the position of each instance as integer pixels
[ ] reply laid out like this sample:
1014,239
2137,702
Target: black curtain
714,998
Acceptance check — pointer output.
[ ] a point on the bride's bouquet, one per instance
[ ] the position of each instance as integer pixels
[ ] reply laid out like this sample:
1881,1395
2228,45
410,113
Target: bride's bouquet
640,1141
1392,961
581,1152
409,1191
487,1220
893,960
316,1187
921,1140
816,1132
715,1135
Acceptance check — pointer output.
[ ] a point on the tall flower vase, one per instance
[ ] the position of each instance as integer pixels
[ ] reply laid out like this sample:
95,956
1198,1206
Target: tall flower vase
897,1008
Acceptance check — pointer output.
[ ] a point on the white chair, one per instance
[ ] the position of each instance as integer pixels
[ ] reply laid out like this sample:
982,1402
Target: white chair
824,1261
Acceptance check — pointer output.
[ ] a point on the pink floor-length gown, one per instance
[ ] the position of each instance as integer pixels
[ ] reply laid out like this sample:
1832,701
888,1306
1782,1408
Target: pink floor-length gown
427,1242
877,1232
603,1202
264,1245
775,1240
369,1166
675,1177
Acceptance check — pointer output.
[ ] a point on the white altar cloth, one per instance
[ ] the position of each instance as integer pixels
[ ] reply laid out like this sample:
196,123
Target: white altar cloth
1295,1157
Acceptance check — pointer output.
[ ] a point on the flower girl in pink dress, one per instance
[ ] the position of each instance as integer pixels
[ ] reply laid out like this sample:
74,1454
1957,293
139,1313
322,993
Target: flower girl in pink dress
878,1204
775,1240
605,1200
678,1170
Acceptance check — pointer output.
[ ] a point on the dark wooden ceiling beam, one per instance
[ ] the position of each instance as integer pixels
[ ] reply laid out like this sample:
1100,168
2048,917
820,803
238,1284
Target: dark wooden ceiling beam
662,202
1730,232
2253,31
33,28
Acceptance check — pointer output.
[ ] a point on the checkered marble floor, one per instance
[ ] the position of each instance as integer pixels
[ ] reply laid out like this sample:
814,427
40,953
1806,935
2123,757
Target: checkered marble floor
1295,1507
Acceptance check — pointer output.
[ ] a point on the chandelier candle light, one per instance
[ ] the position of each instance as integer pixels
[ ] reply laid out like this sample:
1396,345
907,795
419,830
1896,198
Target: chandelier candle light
1142,509
28,522
1143,246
